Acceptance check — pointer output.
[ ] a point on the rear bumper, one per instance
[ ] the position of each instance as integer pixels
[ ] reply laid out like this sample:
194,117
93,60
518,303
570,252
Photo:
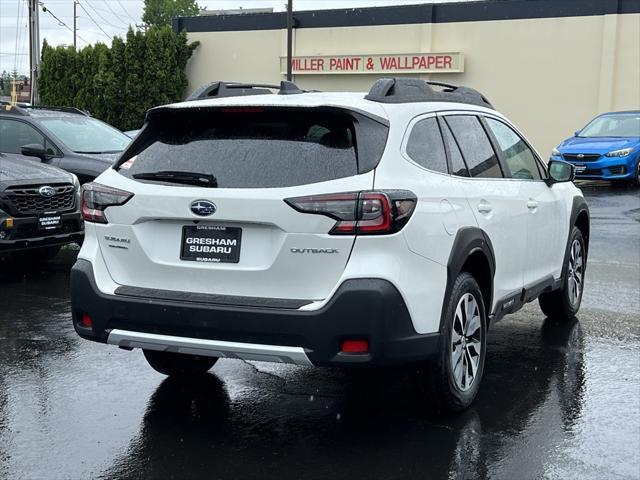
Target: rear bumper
24,233
361,309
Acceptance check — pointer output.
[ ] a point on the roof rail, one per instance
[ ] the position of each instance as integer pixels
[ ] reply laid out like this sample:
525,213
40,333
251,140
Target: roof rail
408,90
237,89
23,109
60,109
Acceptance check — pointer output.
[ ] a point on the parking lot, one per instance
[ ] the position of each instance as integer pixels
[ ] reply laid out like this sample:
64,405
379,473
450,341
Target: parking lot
559,400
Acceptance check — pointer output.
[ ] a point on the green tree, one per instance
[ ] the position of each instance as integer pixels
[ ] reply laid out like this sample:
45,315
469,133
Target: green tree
159,13
118,84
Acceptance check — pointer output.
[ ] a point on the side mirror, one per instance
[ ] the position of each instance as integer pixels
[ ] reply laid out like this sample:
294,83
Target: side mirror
560,172
576,133
34,150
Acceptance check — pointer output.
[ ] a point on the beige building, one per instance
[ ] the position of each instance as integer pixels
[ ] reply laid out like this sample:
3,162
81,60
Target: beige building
549,65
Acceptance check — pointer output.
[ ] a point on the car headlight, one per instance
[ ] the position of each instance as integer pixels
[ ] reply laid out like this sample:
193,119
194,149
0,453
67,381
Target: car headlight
555,153
619,153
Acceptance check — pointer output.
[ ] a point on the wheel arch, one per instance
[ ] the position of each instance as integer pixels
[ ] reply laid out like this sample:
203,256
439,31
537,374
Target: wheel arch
471,252
581,219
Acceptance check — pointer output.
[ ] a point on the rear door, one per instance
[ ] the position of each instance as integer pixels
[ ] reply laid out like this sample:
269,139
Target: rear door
545,208
496,202
237,236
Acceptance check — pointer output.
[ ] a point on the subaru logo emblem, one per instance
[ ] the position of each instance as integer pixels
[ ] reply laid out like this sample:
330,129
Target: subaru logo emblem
203,208
581,155
47,191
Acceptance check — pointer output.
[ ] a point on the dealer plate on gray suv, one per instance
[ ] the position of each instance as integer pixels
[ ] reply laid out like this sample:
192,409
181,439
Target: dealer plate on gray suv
211,243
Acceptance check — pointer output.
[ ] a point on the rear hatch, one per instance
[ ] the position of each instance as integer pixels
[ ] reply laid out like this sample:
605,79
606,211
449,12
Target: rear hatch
227,230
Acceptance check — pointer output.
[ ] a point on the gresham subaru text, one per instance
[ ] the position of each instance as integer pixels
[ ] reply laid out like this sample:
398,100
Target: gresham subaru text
356,230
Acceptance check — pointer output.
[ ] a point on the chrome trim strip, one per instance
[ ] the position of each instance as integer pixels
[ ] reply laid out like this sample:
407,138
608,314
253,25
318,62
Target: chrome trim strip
209,348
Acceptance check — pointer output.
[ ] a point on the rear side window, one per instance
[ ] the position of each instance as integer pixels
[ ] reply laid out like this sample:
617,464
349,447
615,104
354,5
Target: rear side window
475,146
252,147
425,145
517,155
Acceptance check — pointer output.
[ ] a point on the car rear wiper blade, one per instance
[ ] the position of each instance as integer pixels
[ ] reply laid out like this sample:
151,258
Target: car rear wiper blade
185,178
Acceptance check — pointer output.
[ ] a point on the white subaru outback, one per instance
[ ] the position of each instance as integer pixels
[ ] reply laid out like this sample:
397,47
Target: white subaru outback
334,229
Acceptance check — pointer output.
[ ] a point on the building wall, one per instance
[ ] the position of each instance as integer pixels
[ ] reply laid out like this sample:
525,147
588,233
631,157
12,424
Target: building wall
548,75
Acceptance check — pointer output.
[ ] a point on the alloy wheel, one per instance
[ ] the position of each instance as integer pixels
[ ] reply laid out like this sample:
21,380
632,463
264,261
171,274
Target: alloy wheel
576,272
466,342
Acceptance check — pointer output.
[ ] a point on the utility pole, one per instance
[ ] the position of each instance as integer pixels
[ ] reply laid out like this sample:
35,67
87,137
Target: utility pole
75,26
34,49
289,37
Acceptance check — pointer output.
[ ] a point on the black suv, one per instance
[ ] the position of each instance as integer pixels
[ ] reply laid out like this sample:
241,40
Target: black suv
61,136
39,207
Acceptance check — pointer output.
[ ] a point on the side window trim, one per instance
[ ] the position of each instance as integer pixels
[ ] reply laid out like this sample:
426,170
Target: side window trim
407,135
46,138
489,138
539,163
506,173
442,122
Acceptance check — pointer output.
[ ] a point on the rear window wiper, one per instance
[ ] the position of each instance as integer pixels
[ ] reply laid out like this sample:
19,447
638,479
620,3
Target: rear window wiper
185,178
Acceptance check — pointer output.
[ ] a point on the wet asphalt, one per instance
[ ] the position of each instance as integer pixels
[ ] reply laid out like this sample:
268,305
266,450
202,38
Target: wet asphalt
558,400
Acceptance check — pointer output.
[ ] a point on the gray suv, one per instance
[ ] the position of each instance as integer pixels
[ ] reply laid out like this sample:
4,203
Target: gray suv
64,137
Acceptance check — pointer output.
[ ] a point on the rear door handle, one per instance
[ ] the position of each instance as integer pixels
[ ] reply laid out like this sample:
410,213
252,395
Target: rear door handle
532,204
484,207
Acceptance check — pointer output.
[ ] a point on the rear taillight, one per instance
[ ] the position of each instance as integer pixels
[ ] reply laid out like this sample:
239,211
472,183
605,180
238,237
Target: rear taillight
96,197
364,213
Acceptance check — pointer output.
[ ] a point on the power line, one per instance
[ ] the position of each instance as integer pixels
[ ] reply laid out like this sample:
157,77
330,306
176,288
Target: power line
112,11
92,19
101,17
126,11
15,63
61,23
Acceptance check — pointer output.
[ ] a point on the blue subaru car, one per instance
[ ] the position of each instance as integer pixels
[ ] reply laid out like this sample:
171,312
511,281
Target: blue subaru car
608,148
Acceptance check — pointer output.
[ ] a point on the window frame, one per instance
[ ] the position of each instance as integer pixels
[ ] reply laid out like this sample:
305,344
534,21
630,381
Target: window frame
473,113
542,170
407,135
46,137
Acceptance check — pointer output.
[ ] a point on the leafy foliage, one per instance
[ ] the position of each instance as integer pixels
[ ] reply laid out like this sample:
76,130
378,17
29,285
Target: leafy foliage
159,13
118,84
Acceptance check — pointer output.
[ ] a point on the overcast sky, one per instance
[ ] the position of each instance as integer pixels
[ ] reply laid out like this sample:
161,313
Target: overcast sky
114,17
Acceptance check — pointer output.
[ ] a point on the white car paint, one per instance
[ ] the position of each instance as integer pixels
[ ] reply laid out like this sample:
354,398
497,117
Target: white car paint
529,243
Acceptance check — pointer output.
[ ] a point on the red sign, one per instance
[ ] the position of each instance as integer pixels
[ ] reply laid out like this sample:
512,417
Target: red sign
406,63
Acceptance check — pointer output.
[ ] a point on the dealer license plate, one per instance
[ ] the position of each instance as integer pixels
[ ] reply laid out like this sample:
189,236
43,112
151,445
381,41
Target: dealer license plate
49,221
580,168
211,243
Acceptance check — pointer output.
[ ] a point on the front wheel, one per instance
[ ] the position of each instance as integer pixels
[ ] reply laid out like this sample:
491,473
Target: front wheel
457,372
565,302
178,364
635,182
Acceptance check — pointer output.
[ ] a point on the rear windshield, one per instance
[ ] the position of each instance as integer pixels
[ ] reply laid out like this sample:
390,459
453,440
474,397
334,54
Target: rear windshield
249,147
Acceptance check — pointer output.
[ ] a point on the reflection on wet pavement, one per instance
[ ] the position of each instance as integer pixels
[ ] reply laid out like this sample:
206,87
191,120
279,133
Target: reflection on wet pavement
559,400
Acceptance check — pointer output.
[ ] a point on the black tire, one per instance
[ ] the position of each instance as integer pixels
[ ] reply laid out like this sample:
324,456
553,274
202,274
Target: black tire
447,394
178,364
562,304
636,180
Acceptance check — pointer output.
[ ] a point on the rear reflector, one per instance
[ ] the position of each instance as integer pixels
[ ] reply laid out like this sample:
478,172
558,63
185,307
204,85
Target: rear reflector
86,321
363,213
355,346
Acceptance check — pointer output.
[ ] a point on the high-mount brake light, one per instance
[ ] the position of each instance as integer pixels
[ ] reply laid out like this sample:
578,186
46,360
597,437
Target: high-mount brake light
96,198
376,212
